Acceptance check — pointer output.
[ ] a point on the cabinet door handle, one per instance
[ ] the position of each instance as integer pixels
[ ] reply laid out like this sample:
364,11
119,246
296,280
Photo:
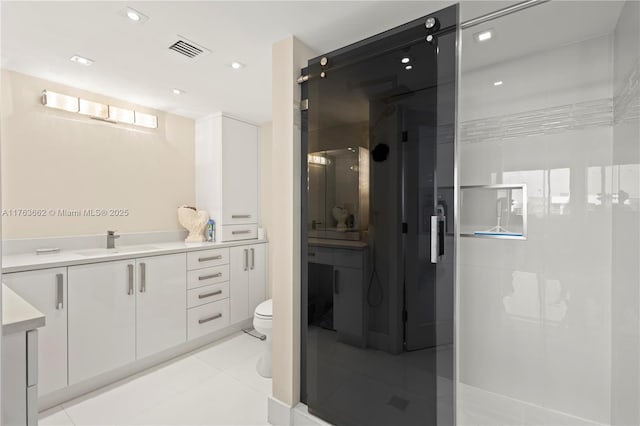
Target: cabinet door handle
246,259
240,216
130,291
59,291
206,277
336,289
206,259
213,293
244,231
211,318
253,258
143,278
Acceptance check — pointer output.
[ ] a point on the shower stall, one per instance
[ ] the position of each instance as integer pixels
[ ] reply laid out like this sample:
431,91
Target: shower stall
471,219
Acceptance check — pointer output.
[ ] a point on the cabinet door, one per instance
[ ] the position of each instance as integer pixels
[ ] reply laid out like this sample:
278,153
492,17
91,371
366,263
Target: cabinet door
161,303
348,301
239,172
239,284
102,315
257,276
46,290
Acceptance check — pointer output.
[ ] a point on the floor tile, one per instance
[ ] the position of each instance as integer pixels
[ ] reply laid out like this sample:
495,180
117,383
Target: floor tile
246,373
55,416
230,351
119,403
220,400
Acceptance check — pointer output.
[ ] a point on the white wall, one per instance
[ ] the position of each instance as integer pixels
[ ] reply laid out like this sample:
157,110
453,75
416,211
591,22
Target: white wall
535,315
53,159
266,195
289,56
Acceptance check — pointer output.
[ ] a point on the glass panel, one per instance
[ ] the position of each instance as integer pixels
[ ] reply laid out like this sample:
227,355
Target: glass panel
548,326
379,147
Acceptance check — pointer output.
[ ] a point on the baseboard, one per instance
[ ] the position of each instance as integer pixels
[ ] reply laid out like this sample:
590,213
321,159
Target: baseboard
278,413
281,414
74,391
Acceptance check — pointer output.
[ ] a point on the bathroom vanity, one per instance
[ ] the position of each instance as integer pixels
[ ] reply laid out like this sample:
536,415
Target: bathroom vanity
111,313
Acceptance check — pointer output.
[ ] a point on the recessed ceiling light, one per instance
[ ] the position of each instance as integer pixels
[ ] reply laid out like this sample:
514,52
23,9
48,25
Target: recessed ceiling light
483,36
81,60
236,65
408,67
133,15
497,83
405,60
178,91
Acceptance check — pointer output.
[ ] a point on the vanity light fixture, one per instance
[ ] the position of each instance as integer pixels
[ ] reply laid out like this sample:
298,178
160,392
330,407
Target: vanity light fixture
98,111
317,159
59,101
483,35
236,65
177,91
497,83
81,60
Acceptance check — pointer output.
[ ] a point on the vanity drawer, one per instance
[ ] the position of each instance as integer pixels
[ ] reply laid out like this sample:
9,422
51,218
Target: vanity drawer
239,232
207,294
207,318
206,276
205,258
321,255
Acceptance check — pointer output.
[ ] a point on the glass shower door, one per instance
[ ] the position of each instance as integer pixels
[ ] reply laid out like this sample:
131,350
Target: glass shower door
378,289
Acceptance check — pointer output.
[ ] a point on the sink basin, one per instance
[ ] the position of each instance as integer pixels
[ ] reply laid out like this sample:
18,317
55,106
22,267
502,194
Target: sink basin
117,250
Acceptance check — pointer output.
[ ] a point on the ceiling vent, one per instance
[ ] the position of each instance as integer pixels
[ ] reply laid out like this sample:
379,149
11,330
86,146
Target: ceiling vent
188,48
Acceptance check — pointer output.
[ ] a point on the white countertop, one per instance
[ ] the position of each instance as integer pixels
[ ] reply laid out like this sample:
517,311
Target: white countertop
32,261
17,314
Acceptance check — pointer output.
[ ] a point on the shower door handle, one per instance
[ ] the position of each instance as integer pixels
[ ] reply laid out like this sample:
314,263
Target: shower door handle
435,250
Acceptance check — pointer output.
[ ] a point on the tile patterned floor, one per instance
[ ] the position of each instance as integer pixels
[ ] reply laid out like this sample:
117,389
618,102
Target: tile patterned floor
216,385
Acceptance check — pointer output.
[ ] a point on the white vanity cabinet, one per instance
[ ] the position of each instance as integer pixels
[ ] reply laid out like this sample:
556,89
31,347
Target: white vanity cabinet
160,303
247,280
102,318
227,167
46,290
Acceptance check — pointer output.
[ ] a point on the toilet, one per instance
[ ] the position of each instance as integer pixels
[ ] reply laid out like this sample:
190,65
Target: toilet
262,320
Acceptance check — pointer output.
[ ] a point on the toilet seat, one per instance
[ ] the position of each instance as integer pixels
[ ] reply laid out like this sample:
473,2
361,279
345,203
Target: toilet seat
264,310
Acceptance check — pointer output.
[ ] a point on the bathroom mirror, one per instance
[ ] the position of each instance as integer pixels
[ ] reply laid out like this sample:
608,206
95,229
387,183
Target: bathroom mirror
339,193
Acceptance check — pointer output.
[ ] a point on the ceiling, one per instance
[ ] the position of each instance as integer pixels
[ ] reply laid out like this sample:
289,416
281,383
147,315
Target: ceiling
133,62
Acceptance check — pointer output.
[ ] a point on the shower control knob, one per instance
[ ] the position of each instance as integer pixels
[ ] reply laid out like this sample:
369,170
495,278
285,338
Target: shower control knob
430,38
430,23
324,61
323,74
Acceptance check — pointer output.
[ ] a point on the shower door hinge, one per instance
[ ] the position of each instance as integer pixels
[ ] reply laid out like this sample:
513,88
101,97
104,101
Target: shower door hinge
304,105
405,227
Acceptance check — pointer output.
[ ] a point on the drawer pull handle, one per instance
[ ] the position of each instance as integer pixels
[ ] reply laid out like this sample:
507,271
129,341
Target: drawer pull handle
206,277
213,293
206,259
211,318
240,216
246,231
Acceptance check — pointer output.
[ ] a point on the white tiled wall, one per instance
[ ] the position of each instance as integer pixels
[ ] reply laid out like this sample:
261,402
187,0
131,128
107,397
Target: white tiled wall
625,366
535,316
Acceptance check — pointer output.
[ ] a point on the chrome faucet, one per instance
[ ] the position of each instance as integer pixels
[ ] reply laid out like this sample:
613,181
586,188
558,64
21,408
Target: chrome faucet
111,239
